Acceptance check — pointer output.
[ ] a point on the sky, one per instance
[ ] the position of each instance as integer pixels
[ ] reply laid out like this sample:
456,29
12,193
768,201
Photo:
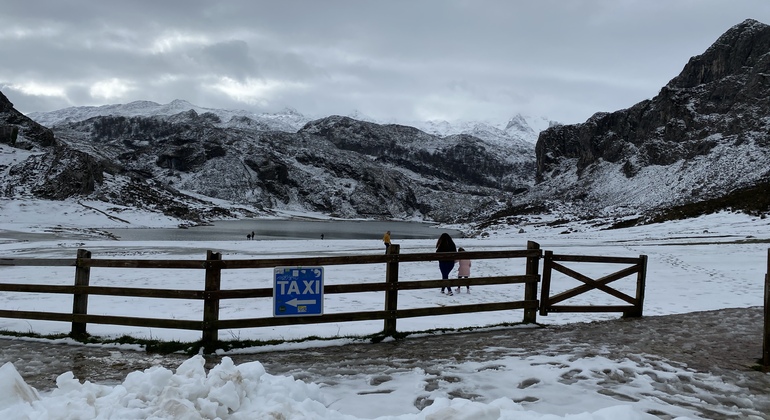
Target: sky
392,61
693,265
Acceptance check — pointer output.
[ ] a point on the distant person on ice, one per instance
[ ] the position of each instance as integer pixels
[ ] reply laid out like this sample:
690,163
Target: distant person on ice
463,270
446,244
386,239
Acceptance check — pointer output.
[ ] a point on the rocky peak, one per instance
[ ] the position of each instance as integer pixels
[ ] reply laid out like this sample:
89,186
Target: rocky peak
20,131
520,124
739,50
5,104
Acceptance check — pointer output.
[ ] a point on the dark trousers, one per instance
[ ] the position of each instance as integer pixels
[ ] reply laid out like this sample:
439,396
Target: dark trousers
445,267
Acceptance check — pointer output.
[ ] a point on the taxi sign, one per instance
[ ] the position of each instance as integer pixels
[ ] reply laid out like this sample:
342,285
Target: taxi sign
298,291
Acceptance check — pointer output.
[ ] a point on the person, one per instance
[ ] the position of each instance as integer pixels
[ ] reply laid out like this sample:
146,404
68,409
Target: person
463,271
386,239
252,234
446,244
322,236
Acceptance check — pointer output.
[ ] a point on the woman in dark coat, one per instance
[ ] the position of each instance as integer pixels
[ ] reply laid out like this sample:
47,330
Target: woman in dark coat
446,244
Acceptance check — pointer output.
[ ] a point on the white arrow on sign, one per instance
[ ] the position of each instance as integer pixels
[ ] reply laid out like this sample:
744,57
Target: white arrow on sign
294,302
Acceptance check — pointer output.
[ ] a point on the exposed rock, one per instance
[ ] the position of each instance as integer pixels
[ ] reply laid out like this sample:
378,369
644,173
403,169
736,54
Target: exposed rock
711,117
336,165
28,134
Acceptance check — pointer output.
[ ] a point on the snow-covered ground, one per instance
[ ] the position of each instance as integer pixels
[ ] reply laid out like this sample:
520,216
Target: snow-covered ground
712,262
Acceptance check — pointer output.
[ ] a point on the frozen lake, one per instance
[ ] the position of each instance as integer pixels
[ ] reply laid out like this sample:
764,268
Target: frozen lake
272,229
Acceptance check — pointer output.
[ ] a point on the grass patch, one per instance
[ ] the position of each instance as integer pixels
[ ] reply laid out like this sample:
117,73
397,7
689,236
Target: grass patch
196,347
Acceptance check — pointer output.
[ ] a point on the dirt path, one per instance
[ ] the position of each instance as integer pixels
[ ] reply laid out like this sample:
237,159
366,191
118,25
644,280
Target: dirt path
725,343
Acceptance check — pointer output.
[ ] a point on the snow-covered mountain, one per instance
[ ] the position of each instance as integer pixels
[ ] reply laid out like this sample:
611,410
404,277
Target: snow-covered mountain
519,129
704,137
703,142
288,120
335,165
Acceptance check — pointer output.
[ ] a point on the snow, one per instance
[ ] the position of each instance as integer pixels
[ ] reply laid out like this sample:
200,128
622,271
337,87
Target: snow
712,262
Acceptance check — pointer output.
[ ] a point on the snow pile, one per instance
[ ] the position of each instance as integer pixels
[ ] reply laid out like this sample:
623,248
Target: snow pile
228,391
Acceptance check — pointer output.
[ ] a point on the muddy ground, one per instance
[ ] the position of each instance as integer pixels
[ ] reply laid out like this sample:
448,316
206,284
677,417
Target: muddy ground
726,343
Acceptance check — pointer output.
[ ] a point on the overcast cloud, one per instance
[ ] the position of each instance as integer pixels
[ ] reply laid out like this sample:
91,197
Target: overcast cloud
399,60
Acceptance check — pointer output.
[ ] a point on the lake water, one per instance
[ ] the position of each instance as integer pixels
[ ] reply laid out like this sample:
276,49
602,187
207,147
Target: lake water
229,230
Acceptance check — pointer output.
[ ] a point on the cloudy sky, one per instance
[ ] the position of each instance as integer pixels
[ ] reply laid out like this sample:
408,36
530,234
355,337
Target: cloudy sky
396,60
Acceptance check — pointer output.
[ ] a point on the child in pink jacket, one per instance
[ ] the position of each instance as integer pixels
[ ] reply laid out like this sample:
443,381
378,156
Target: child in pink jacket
463,271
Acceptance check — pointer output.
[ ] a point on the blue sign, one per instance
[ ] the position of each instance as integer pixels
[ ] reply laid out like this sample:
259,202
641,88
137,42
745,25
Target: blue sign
298,291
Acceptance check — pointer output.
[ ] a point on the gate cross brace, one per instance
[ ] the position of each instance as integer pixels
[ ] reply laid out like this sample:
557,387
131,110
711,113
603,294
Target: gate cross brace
591,284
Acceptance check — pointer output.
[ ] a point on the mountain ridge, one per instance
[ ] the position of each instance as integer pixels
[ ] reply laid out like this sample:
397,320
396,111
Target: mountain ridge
703,137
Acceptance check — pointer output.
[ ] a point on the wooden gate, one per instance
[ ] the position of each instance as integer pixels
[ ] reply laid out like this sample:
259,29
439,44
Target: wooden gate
634,304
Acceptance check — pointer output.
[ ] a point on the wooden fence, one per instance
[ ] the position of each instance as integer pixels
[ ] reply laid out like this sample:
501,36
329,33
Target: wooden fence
212,294
634,306
766,342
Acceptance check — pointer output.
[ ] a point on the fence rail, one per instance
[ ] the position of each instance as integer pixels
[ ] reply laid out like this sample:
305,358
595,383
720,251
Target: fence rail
212,294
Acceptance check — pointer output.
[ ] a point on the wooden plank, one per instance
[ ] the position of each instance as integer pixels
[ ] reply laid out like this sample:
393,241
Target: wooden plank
355,288
455,309
172,264
213,283
294,320
175,324
391,294
104,319
359,259
766,341
38,288
471,255
589,308
545,288
596,259
592,284
103,290
43,316
302,262
37,262
288,262
373,315
80,299
530,289
641,285
244,293
473,281
252,293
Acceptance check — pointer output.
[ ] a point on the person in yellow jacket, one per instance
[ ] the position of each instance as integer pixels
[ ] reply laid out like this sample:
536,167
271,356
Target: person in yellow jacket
386,239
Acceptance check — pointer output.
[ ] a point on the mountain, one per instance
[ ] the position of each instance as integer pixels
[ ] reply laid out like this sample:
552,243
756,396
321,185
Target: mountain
700,145
706,135
334,165
37,163
519,129
286,120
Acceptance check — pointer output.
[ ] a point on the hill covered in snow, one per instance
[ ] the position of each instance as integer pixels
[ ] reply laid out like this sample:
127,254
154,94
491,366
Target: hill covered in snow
700,145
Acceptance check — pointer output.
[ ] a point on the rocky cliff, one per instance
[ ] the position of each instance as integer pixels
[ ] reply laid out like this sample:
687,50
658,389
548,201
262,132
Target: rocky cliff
705,134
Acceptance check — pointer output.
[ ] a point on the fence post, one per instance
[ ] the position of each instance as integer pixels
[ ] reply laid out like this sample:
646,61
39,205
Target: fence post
211,302
530,289
641,281
391,294
545,288
80,300
766,344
